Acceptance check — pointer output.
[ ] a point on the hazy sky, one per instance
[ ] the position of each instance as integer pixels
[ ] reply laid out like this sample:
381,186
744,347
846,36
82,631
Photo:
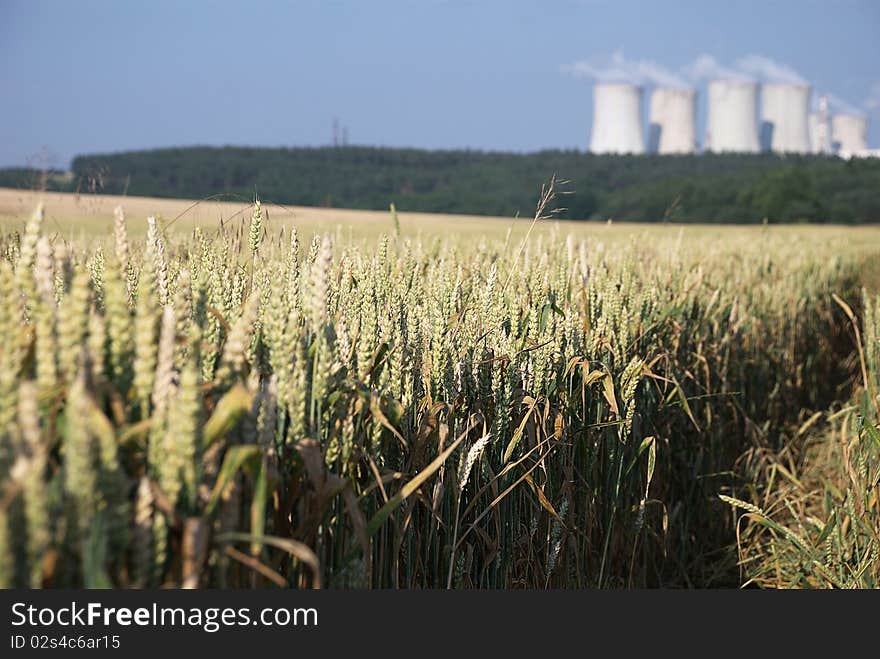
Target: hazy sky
90,76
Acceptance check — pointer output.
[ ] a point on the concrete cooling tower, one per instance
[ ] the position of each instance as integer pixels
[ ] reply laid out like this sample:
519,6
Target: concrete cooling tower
849,133
731,124
617,119
785,108
673,112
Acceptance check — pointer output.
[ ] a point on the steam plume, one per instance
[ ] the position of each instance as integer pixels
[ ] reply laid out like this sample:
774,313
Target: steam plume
620,69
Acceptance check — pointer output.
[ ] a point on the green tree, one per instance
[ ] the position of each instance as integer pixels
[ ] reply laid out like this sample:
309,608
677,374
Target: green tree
786,195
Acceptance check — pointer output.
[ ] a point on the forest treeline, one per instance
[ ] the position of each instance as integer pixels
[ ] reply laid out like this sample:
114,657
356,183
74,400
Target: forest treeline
688,188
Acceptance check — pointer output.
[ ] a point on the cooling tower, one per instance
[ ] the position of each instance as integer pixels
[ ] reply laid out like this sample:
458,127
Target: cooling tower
786,108
849,133
674,112
731,124
617,119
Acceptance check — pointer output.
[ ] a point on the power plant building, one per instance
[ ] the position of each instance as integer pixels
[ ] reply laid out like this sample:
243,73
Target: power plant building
820,128
617,119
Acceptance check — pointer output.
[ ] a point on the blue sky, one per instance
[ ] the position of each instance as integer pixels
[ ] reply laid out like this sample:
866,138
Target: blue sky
90,76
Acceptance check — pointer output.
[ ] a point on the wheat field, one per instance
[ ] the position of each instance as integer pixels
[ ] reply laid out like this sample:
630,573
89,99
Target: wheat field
311,398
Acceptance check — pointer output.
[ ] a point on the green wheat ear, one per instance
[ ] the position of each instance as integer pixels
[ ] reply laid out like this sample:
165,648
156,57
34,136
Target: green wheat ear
256,230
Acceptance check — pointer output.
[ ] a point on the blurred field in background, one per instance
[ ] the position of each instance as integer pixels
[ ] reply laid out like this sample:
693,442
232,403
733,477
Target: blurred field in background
89,215
80,215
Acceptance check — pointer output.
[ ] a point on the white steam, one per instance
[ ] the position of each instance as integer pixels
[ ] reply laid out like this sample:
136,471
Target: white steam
756,68
766,69
840,106
752,68
872,103
620,69
706,67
